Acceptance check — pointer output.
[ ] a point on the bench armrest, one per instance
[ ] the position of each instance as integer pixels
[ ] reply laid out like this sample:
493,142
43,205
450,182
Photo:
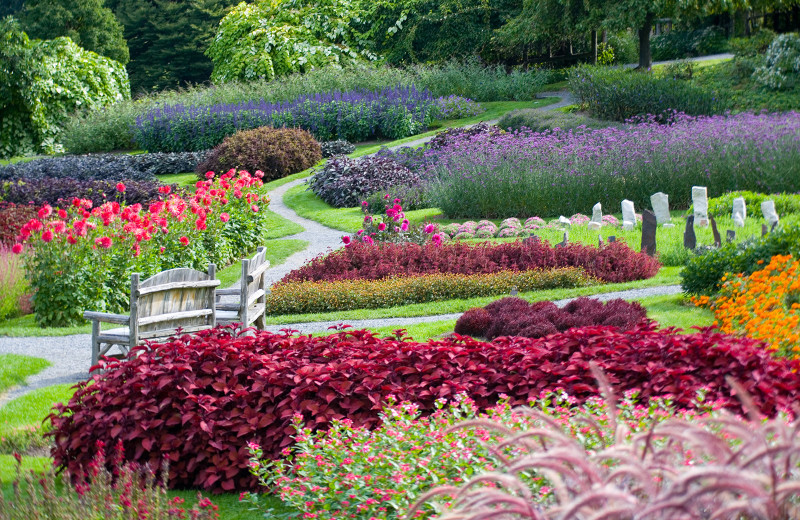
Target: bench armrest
107,317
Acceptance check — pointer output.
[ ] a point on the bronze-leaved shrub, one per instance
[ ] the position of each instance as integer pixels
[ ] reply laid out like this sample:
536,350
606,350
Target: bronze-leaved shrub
277,152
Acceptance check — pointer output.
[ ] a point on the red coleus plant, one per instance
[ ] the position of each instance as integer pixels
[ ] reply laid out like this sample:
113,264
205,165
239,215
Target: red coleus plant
197,400
614,262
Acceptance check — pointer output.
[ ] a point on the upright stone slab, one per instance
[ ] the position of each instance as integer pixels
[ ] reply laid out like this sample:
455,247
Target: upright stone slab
768,210
628,215
660,203
564,242
564,220
649,226
715,231
689,238
739,213
730,236
597,217
700,201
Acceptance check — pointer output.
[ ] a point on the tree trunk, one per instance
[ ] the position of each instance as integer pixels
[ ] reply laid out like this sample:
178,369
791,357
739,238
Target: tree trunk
645,59
594,47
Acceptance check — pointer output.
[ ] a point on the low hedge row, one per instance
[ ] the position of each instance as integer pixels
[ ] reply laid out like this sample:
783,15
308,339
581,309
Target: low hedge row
52,191
339,295
107,166
516,317
197,400
703,274
614,262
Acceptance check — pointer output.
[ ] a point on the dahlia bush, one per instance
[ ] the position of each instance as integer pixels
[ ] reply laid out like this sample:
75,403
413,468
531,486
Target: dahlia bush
82,256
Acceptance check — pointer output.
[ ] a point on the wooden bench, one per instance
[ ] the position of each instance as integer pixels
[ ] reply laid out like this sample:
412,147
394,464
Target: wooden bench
178,298
252,294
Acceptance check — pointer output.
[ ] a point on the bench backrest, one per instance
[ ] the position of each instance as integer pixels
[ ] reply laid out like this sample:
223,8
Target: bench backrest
253,285
175,298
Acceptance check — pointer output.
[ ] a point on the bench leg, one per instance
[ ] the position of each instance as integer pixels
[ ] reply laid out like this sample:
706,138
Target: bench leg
95,342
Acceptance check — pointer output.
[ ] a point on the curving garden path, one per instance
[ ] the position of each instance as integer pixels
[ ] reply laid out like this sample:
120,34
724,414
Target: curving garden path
71,355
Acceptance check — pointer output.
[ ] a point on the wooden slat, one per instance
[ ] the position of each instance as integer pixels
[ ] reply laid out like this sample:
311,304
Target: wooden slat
178,285
234,306
166,333
107,317
258,271
175,316
253,297
227,292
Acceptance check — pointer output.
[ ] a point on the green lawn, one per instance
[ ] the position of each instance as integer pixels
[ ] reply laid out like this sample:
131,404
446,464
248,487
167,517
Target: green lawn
15,369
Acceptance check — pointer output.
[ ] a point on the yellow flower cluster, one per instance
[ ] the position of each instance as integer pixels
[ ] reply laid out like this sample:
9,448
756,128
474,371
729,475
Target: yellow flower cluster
303,297
764,305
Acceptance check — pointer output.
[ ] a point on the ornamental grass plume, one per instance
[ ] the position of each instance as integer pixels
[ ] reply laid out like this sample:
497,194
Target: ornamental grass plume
720,466
764,305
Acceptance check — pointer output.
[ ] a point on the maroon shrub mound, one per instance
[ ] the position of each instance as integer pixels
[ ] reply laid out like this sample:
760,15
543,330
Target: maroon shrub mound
614,262
516,317
197,400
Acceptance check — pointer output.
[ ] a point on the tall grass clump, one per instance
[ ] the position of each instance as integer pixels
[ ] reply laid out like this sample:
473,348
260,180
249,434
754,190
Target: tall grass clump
621,94
13,287
112,128
565,172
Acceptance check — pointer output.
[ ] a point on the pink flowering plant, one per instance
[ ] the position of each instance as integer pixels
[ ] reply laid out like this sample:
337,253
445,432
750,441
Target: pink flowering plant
357,473
392,226
81,256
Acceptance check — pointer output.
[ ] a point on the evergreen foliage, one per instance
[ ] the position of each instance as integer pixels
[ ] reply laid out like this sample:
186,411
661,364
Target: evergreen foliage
167,39
88,23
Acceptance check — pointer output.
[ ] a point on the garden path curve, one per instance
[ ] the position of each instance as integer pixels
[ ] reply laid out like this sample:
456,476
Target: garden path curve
71,355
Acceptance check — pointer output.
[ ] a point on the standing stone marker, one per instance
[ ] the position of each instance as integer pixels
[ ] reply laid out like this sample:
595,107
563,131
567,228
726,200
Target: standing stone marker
564,220
649,226
764,230
564,243
660,203
599,240
768,209
739,213
717,238
730,235
533,239
628,215
611,239
597,218
689,238
700,201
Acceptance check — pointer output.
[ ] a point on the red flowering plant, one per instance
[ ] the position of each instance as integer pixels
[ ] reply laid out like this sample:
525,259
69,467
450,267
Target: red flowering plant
83,256
393,226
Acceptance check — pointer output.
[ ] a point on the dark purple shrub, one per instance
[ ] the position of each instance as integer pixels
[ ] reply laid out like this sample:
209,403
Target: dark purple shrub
344,182
277,152
516,317
51,191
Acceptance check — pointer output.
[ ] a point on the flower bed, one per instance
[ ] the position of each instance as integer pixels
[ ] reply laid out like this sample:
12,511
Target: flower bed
197,399
516,317
339,295
358,473
764,305
61,191
614,262
526,173
107,166
82,256
355,116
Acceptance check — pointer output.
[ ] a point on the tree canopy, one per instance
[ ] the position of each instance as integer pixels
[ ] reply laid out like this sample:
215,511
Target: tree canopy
43,81
86,22
272,38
